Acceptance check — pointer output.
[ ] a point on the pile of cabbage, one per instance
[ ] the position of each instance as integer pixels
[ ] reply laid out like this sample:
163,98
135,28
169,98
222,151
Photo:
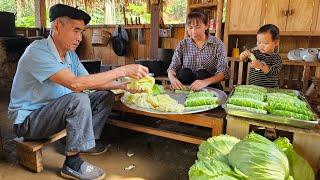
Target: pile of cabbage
152,97
254,158
259,100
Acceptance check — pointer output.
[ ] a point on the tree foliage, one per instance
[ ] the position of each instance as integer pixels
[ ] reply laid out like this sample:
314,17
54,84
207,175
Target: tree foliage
174,12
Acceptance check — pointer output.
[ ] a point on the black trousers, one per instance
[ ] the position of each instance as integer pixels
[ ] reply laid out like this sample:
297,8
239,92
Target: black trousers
186,76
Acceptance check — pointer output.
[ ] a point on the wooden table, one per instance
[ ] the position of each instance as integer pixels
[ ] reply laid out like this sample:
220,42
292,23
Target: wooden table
213,119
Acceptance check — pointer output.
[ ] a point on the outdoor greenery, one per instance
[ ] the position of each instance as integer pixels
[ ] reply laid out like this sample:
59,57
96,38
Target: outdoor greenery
24,11
103,11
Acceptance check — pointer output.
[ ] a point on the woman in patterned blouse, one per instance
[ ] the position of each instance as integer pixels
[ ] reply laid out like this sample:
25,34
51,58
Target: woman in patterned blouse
200,60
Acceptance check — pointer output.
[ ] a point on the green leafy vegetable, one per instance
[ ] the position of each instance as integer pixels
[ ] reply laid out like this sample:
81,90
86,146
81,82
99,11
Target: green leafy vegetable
242,108
199,101
299,168
259,159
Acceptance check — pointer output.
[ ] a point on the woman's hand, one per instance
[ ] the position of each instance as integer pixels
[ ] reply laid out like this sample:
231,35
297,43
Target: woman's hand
198,85
175,83
244,55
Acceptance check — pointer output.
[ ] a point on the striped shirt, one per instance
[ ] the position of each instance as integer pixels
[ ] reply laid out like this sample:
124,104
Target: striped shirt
257,77
212,56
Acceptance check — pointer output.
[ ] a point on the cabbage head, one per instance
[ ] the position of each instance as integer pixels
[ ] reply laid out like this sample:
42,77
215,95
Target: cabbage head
258,158
145,84
210,170
217,148
299,168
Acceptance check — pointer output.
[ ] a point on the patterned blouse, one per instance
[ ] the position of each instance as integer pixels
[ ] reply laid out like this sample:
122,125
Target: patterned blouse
257,77
212,56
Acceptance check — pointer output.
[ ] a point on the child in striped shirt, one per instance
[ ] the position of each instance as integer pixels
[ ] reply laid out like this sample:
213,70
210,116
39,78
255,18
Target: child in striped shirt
265,61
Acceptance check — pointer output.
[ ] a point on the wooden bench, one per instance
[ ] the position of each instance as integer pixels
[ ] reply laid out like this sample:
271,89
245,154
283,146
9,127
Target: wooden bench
29,153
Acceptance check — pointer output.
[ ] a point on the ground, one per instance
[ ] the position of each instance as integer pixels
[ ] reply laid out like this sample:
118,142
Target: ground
154,158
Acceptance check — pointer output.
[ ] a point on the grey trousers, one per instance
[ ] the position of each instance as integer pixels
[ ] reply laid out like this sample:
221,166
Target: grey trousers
83,115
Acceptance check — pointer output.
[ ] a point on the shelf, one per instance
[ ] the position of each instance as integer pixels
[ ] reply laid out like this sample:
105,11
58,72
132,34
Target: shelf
203,5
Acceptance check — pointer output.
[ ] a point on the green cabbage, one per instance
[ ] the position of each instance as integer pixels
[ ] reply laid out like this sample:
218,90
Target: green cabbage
258,158
145,84
299,168
210,170
217,148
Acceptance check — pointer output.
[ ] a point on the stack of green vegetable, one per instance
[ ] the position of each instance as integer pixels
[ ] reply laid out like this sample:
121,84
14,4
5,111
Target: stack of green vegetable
278,102
227,158
201,100
288,105
250,98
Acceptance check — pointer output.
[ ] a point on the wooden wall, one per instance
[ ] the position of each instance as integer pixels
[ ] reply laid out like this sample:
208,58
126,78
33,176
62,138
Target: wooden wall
136,51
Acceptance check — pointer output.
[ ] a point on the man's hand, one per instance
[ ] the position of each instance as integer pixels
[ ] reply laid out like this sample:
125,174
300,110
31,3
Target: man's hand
135,71
175,83
198,85
244,55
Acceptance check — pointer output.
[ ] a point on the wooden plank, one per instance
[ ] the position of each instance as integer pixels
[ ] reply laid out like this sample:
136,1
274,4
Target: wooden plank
236,127
217,127
248,70
218,33
305,78
40,13
232,70
240,73
33,146
195,119
30,160
307,146
153,131
154,34
1,145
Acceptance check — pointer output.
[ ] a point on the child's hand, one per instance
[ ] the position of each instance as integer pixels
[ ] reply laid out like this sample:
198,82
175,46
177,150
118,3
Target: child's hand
257,64
244,55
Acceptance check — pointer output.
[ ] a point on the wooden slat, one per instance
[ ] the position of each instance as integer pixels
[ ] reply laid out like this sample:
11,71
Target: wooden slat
1,144
153,131
154,35
240,73
33,146
248,70
195,119
305,78
232,71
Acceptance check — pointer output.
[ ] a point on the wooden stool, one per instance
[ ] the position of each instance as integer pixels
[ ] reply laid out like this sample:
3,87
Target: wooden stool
30,152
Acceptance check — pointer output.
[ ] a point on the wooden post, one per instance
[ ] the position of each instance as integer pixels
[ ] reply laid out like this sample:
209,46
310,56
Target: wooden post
40,13
219,19
154,31
1,145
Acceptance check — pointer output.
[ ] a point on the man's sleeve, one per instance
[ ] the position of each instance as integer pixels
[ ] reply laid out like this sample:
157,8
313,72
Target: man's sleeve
41,64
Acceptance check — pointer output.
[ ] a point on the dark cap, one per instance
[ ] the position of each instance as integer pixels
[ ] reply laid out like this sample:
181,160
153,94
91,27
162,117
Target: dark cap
60,10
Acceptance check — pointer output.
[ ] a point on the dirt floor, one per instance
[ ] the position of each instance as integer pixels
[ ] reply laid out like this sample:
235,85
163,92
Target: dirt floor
154,157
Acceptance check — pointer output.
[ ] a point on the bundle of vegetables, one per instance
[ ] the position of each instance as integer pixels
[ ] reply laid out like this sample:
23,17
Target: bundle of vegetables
253,89
290,106
160,102
145,84
255,157
200,100
248,98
